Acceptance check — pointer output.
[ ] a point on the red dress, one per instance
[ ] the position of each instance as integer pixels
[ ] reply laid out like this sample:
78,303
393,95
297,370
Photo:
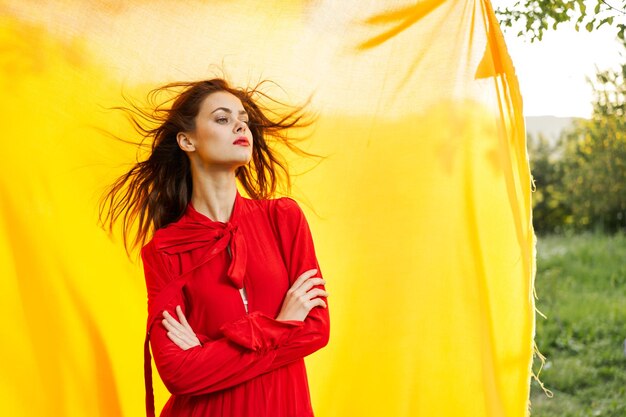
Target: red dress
249,364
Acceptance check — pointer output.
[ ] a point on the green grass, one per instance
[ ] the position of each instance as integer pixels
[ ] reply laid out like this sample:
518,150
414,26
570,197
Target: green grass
581,285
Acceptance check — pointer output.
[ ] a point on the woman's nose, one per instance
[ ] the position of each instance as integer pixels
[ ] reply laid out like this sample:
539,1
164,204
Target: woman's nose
240,127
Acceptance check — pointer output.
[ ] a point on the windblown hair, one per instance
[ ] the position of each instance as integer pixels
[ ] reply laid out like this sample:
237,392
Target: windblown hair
156,191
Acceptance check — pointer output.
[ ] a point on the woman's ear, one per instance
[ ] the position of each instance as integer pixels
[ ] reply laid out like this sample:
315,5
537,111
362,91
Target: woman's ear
184,142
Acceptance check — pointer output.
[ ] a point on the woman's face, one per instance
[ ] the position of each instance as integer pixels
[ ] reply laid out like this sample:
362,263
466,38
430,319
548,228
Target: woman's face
221,138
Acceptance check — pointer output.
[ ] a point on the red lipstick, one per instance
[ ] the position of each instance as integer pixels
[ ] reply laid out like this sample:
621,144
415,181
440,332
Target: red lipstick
242,140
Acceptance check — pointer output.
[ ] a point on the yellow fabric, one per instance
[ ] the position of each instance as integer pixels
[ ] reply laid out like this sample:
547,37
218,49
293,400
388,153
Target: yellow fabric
420,212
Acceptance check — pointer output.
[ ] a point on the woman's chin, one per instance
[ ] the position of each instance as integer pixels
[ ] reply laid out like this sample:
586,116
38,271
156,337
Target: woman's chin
240,164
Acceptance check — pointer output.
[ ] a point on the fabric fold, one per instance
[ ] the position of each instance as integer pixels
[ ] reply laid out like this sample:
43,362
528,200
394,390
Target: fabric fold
256,331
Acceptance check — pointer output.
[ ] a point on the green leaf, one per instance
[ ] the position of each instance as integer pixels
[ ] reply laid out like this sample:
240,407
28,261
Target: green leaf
589,26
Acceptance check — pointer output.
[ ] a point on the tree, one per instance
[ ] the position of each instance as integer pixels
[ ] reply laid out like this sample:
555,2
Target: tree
538,16
594,172
581,181
551,209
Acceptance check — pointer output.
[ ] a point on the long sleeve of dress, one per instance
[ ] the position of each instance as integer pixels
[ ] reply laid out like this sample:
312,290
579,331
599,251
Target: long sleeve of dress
298,250
299,253
248,348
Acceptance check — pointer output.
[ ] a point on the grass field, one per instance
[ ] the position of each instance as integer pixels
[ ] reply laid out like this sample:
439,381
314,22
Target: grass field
581,285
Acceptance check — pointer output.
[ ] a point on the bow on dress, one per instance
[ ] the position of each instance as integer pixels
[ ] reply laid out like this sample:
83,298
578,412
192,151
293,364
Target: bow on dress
210,238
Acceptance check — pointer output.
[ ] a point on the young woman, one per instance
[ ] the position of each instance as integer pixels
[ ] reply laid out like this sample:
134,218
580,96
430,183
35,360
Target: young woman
236,298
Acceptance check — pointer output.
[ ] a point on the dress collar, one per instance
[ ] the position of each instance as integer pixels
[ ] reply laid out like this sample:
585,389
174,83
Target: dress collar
197,232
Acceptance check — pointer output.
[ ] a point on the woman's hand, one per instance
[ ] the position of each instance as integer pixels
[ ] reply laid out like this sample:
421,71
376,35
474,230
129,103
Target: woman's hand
301,297
180,332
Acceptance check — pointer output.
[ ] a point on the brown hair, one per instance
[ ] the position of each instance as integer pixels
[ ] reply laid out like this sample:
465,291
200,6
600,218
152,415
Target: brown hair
156,191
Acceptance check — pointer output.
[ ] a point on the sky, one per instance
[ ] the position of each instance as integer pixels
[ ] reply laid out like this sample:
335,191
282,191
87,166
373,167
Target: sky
552,73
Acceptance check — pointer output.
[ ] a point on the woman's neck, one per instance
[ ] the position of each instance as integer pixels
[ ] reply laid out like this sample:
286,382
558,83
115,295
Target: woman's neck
214,194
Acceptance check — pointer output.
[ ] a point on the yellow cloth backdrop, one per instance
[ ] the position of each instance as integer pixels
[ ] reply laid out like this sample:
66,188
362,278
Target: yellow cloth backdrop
420,210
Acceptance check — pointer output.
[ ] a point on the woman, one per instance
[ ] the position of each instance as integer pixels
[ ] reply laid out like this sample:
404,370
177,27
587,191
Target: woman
236,299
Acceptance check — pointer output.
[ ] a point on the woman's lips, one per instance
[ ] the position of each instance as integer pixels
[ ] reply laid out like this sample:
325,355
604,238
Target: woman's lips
243,141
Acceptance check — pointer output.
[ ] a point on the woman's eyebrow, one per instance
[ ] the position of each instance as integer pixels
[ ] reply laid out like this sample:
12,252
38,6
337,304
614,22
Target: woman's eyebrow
227,110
